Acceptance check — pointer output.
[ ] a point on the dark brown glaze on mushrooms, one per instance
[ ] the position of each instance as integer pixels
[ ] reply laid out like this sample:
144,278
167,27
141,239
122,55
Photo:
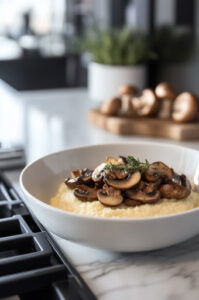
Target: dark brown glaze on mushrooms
79,177
158,170
145,192
72,183
109,196
132,202
85,193
123,182
178,190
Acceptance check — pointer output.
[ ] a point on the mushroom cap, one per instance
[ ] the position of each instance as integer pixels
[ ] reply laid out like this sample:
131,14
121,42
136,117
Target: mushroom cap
146,104
111,107
125,183
185,107
158,170
98,172
179,188
78,177
85,193
128,89
165,90
87,176
72,183
145,192
110,196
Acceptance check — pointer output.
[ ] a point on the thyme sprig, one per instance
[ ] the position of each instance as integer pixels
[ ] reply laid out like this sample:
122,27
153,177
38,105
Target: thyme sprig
132,165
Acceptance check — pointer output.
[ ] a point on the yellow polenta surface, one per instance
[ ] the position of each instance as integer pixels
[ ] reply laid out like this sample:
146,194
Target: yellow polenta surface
66,200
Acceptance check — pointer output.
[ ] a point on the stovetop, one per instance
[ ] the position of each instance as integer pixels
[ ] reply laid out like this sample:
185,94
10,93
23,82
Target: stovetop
31,264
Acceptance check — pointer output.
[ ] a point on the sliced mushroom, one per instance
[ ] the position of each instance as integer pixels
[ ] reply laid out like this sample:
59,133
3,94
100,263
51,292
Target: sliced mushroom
78,177
117,174
72,183
87,176
175,190
113,160
76,173
131,202
145,192
146,104
176,178
158,170
128,89
85,193
126,183
109,196
98,172
164,90
111,107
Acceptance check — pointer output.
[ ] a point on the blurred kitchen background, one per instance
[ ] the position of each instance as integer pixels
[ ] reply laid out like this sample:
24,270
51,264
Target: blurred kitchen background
37,39
44,67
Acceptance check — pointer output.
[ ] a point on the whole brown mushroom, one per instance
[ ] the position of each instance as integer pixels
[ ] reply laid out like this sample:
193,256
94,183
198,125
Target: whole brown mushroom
165,90
127,106
111,107
166,94
147,104
185,107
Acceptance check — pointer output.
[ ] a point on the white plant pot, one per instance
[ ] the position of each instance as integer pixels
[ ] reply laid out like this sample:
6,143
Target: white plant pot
105,80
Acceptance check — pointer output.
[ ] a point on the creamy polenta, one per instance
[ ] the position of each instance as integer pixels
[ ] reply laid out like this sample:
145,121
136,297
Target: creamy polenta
66,200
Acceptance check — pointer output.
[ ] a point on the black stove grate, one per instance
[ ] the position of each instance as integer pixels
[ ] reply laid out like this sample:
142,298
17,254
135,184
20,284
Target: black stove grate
31,264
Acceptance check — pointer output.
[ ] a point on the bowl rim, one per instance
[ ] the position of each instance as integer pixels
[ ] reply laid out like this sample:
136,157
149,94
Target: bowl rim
98,218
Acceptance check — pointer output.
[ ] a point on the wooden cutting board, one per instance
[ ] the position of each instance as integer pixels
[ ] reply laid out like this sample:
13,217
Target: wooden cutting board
145,126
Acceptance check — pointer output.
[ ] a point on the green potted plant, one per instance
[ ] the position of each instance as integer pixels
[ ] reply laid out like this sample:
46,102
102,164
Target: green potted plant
118,56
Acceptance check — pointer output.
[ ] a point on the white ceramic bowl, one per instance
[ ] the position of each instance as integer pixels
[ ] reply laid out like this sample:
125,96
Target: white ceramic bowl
40,180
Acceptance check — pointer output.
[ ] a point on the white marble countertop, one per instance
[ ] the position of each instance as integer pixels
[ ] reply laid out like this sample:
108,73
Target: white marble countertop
47,121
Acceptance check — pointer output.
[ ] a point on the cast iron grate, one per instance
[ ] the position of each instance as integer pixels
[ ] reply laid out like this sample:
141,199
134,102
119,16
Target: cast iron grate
31,264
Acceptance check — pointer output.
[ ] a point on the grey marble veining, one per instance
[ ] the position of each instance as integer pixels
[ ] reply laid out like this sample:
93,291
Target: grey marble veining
47,121
171,273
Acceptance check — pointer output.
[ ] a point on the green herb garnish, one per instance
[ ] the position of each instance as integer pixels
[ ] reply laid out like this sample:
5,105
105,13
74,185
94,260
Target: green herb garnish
132,165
